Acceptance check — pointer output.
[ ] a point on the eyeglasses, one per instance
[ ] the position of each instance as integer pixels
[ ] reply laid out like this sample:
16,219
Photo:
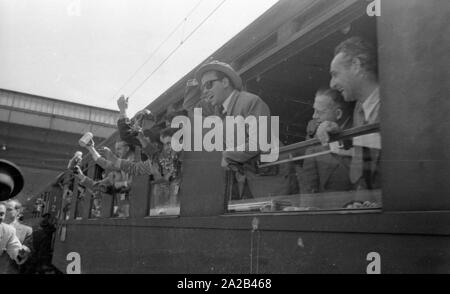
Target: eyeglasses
209,84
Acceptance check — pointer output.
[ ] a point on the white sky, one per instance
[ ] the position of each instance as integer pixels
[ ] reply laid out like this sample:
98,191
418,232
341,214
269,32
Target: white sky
84,51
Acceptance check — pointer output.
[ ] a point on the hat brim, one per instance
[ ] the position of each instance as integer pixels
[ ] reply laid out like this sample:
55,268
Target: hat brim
16,175
235,78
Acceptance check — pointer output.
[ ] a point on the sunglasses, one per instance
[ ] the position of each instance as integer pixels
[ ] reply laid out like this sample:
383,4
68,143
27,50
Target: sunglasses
209,84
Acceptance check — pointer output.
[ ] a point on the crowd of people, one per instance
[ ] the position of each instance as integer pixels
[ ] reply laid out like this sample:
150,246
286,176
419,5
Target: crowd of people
156,160
24,250
351,100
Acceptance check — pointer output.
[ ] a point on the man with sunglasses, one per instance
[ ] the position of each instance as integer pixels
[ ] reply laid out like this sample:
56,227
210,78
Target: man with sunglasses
222,87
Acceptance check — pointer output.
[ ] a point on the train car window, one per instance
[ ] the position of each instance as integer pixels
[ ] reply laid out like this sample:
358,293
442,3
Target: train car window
120,191
67,200
165,189
119,187
82,195
80,202
96,205
164,197
46,202
343,174
54,202
96,197
67,186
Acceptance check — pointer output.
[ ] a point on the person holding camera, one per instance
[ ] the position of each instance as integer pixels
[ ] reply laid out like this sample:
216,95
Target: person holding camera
133,130
130,167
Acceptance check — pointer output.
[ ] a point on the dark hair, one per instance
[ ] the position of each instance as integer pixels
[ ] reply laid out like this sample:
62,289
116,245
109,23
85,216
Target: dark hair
338,99
364,51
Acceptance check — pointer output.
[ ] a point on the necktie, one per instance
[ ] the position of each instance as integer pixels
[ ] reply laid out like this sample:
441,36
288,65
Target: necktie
220,111
357,164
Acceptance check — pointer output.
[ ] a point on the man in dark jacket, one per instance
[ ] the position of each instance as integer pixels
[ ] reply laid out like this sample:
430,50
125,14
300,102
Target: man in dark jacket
41,258
223,88
328,172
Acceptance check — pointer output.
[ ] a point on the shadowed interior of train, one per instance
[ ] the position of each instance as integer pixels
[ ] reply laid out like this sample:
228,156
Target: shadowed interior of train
289,89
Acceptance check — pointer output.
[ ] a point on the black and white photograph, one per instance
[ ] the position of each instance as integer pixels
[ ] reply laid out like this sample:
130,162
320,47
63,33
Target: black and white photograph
239,138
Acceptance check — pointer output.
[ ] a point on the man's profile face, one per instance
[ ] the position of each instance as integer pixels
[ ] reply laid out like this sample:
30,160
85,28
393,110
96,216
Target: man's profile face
2,213
344,76
213,88
324,109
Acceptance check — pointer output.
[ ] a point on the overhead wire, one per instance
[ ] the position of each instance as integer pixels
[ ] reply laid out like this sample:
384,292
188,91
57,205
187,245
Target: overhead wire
159,47
176,48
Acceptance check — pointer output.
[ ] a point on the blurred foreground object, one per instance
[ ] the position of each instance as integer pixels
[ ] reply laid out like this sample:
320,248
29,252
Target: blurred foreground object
86,140
11,180
75,160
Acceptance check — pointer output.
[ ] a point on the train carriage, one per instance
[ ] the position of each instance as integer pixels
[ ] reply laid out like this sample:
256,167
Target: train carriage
284,57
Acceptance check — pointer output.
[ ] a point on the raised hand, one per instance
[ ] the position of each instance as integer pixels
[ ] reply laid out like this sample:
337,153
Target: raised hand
325,129
122,103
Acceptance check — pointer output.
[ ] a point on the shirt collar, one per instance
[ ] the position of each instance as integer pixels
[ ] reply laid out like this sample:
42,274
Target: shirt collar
371,103
227,101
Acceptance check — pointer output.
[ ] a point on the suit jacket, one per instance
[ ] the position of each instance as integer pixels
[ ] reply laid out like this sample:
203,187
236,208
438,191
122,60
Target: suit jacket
246,104
372,167
9,248
23,232
325,173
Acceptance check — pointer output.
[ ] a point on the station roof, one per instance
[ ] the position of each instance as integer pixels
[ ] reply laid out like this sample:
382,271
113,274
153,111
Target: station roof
40,134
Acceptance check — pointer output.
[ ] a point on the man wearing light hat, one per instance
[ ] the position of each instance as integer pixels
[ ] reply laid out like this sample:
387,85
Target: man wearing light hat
222,87
194,98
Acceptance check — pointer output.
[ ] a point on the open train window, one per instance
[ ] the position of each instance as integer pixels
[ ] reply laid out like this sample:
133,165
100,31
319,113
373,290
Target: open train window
67,184
66,201
164,191
309,176
164,198
47,201
95,210
81,198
